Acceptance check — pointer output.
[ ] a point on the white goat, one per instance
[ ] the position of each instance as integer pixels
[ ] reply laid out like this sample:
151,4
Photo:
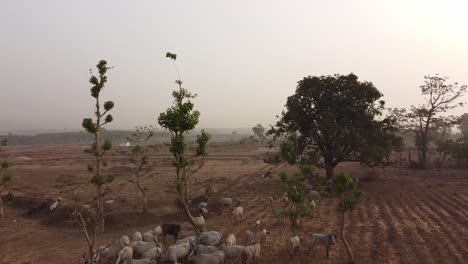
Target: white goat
137,236
158,231
202,205
294,244
141,247
189,240
233,252
152,253
150,237
231,240
125,253
124,241
204,211
225,202
251,252
238,212
325,240
176,252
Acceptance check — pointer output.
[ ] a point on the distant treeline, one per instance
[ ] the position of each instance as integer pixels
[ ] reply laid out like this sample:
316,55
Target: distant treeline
115,136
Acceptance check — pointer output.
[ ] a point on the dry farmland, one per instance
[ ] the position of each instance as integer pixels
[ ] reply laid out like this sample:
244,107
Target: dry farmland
405,216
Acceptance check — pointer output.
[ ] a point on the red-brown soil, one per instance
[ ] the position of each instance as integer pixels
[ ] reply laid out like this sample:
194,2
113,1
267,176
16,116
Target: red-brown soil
405,216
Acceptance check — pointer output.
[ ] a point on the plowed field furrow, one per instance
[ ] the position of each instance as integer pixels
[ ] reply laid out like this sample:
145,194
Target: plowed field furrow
454,206
397,238
447,227
407,238
435,227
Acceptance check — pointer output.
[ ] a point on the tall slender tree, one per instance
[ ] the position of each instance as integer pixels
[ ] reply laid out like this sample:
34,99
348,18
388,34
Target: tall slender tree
180,119
99,148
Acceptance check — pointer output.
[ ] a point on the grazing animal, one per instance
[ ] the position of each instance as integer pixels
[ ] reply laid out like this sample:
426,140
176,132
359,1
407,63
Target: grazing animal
325,240
261,235
203,205
204,249
238,213
123,242
231,240
250,236
258,222
187,233
204,211
54,205
152,253
233,252
251,252
211,238
216,257
140,247
313,204
125,253
293,245
225,202
175,253
170,229
137,236
158,231
150,237
189,240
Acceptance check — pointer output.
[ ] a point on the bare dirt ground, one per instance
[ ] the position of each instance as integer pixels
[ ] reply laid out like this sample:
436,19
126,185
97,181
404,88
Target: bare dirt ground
404,216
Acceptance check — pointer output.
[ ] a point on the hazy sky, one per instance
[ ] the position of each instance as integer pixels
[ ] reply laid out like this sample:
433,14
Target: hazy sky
243,58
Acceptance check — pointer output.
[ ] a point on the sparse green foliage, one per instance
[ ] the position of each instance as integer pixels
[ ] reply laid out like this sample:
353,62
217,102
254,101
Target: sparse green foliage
348,194
142,166
97,149
296,194
180,119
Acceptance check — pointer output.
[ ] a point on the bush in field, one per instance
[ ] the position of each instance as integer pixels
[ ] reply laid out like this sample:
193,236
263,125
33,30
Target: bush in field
142,167
299,204
348,194
180,119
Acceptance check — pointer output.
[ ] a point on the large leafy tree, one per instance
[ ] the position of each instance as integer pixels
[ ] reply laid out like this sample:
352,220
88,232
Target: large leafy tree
439,97
180,119
259,132
335,119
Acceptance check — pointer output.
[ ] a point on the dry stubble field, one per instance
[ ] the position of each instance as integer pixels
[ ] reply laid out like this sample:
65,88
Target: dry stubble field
404,217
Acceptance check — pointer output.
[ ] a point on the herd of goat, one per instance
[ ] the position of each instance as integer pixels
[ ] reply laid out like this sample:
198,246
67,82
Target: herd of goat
208,247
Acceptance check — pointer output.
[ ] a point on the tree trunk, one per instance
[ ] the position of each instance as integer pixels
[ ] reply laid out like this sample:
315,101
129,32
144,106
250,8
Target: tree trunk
143,194
348,248
330,172
188,214
423,162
